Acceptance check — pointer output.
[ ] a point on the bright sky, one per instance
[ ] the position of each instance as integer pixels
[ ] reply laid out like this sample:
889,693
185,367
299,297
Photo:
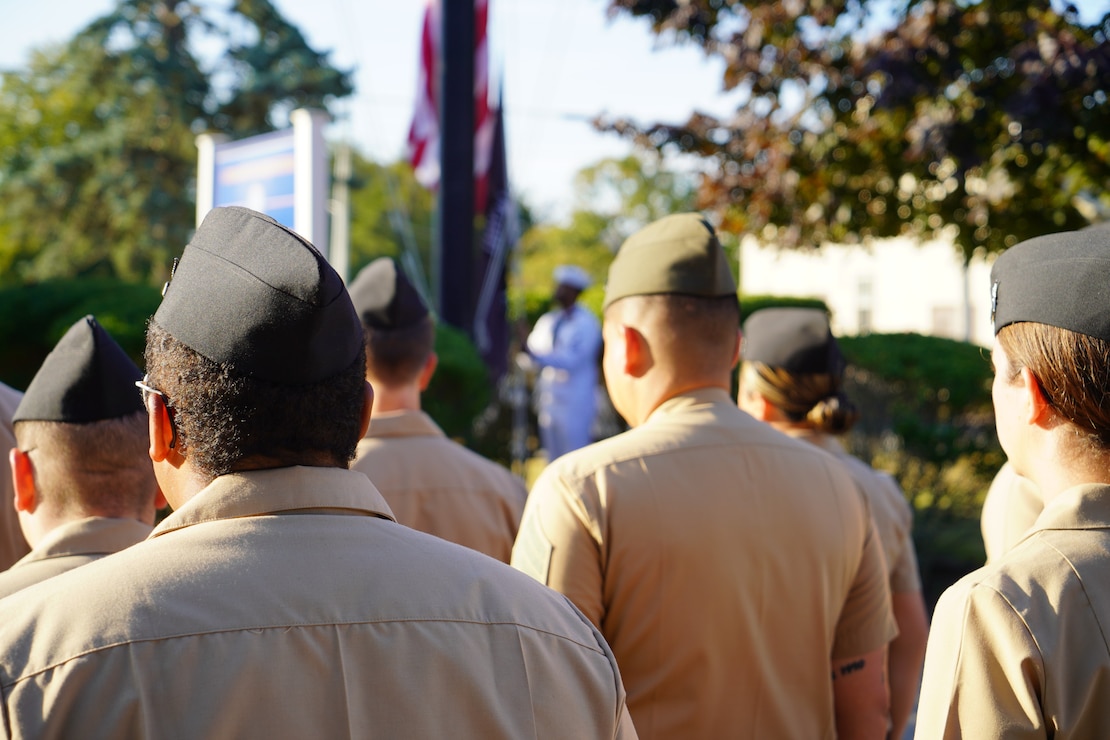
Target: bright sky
564,62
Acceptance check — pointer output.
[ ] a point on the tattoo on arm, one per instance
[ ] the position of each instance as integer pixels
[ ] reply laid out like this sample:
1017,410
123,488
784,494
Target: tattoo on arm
847,668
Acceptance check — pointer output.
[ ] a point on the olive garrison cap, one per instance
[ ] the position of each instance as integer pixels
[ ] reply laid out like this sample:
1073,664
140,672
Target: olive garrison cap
256,296
1061,280
87,377
384,297
677,254
797,340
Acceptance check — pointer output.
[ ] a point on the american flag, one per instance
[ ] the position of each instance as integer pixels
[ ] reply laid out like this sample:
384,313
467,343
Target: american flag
424,132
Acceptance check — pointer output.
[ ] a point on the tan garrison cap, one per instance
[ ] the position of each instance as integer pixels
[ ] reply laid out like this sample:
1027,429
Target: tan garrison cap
677,254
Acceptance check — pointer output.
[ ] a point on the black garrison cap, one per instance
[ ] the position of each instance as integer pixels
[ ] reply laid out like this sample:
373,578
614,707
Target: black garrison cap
1061,280
384,298
256,296
87,377
677,254
797,340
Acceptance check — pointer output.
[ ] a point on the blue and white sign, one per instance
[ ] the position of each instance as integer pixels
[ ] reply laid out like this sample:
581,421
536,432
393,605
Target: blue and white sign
257,173
282,174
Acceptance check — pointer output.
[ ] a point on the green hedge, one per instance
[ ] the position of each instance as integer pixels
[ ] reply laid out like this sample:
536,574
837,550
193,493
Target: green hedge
749,304
34,317
459,391
927,418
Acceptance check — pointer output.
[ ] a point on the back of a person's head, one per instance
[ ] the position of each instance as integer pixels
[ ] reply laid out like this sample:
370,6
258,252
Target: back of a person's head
1049,309
84,427
1073,370
692,332
99,468
396,356
675,275
399,329
812,400
257,350
791,358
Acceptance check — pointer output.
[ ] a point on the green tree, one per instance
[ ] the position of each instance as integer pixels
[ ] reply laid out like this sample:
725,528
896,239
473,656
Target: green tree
581,241
986,118
632,192
97,175
390,213
613,198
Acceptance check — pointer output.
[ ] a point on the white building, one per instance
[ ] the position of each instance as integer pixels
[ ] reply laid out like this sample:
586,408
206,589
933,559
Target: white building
892,285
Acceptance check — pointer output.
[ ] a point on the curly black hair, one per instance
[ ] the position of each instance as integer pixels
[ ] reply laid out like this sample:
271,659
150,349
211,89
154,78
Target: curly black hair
227,421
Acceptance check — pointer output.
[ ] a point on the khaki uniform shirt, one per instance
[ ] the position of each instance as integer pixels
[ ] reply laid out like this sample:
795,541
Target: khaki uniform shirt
1019,648
13,546
438,486
70,546
1009,510
725,563
287,604
889,510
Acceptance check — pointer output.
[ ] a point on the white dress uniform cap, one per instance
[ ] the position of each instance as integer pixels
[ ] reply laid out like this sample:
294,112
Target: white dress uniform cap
572,275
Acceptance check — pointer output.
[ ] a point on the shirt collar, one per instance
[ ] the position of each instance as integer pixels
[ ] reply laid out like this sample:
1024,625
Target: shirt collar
826,442
1080,507
90,536
259,492
690,400
403,424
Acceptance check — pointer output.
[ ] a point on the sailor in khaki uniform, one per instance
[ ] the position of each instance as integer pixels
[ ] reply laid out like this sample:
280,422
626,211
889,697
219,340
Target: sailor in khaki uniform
1010,507
1019,648
792,378
280,599
13,545
431,482
734,571
84,485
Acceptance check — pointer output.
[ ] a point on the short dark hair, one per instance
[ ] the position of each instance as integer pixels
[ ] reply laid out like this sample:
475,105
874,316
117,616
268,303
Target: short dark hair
696,330
1073,370
99,468
396,356
226,419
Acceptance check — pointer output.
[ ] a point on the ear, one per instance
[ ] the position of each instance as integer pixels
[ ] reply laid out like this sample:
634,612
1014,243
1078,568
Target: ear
23,480
160,428
428,371
736,349
1038,410
758,406
637,351
367,405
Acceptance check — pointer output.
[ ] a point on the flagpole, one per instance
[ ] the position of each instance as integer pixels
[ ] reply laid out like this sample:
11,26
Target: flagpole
456,195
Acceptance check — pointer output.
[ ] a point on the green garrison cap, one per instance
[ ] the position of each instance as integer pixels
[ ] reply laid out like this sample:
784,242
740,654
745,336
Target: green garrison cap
797,340
676,254
87,377
384,298
251,294
1061,280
